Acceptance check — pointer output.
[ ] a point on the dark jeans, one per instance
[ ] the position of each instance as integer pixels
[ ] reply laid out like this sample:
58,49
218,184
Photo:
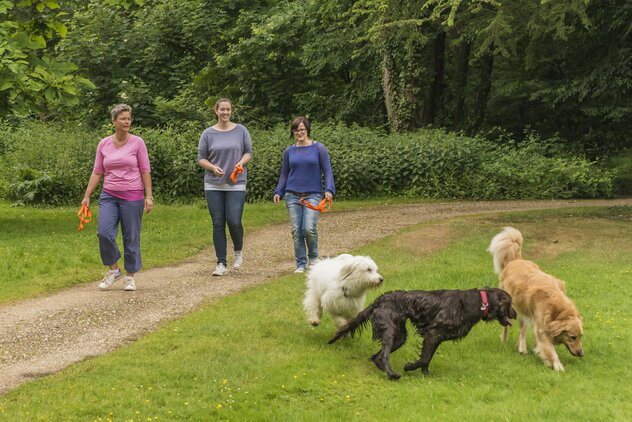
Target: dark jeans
226,207
129,214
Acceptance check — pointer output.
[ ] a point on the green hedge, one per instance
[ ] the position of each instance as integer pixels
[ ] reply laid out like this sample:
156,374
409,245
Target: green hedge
50,165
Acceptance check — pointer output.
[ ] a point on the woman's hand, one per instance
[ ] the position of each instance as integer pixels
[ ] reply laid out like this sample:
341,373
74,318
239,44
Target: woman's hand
218,171
276,199
149,204
328,196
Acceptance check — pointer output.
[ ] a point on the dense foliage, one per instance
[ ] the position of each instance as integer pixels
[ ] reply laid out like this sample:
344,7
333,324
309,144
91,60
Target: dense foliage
487,67
47,165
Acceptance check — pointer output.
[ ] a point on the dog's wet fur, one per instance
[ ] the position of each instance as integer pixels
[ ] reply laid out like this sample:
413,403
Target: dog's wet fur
438,315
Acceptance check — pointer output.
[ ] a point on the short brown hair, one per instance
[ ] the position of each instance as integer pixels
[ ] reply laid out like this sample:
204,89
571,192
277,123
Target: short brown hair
298,121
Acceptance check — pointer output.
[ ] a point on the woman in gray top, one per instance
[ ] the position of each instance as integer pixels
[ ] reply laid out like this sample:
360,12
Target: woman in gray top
224,149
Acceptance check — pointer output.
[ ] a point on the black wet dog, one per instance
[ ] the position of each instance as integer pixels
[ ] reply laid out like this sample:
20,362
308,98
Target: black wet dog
439,315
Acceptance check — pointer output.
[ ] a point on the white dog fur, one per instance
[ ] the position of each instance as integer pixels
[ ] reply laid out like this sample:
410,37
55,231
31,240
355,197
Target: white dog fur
338,286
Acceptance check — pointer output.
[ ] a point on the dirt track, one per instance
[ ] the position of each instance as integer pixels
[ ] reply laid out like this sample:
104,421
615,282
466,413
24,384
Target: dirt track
44,335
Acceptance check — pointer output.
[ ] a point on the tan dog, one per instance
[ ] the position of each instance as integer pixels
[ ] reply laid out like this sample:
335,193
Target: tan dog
539,299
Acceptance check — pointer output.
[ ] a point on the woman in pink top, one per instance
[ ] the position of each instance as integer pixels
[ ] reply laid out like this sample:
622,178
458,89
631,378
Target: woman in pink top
123,163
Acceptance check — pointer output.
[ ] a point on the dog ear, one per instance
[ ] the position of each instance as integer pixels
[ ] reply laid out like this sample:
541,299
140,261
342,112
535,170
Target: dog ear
347,270
555,328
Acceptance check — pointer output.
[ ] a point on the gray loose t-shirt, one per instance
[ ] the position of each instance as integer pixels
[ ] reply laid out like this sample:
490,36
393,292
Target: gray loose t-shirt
224,149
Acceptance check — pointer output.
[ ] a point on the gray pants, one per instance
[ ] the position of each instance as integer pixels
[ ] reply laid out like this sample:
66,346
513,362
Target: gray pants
113,210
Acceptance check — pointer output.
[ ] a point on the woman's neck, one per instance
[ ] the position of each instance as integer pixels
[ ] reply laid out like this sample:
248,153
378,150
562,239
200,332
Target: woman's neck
121,136
224,126
307,142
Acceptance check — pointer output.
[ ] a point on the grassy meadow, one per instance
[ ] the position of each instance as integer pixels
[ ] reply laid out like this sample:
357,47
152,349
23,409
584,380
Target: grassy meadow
41,250
252,356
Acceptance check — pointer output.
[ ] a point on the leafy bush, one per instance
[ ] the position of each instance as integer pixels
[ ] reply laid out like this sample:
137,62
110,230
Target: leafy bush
622,165
49,165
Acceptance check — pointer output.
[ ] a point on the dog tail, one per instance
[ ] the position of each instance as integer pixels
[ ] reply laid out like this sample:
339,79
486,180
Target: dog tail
505,247
357,324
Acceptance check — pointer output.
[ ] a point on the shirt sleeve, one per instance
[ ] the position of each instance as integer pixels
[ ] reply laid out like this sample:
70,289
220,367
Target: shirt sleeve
325,165
247,142
285,170
143,157
203,147
98,160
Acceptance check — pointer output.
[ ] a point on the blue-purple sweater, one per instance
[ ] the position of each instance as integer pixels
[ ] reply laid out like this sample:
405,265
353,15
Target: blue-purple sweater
302,168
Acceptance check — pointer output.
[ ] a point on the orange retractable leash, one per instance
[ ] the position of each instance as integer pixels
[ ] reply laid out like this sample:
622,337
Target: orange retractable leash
323,206
85,216
233,175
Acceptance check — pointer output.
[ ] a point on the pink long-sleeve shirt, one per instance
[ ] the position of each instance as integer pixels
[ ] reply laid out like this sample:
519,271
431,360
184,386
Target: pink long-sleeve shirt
122,166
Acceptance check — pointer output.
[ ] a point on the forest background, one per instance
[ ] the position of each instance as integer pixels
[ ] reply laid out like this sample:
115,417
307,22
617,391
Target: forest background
440,98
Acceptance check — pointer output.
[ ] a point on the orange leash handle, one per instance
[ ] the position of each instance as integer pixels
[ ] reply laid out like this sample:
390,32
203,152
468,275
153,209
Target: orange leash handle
85,216
238,169
323,206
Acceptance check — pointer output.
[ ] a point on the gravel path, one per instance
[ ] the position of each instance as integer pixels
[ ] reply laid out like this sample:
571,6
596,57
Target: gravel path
44,335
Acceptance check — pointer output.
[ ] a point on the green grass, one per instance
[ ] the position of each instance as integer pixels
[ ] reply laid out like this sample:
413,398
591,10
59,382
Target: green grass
252,356
41,250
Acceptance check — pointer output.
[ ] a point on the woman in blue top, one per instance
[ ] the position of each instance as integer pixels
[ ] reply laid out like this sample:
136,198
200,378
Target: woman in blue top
305,165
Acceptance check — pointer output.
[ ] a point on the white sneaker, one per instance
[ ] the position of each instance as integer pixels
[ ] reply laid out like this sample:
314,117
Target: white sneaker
239,259
299,270
130,284
109,278
220,270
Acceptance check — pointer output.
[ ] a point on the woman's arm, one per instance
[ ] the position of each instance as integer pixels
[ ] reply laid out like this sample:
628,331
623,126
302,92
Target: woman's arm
244,159
93,182
149,196
328,173
279,192
206,165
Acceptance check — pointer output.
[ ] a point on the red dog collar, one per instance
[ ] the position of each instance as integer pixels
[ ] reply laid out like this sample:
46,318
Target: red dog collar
485,304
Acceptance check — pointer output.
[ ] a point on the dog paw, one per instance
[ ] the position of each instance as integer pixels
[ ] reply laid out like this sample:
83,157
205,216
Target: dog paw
410,366
557,366
394,376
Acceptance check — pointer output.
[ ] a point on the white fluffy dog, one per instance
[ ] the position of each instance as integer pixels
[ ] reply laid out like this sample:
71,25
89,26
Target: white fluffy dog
338,286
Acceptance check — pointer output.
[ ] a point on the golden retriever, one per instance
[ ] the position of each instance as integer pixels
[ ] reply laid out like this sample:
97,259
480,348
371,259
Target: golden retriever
539,299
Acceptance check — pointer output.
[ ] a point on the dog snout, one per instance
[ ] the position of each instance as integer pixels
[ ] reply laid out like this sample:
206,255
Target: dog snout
380,280
579,353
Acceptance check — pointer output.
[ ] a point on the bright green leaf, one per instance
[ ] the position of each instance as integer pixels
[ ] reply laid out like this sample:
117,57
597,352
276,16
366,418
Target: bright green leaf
61,29
40,40
6,85
49,93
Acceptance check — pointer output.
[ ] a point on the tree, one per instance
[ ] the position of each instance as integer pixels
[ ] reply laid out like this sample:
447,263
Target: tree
31,78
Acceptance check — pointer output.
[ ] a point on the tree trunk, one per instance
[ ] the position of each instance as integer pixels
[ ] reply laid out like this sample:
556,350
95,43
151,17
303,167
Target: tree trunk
389,92
487,66
460,77
435,93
